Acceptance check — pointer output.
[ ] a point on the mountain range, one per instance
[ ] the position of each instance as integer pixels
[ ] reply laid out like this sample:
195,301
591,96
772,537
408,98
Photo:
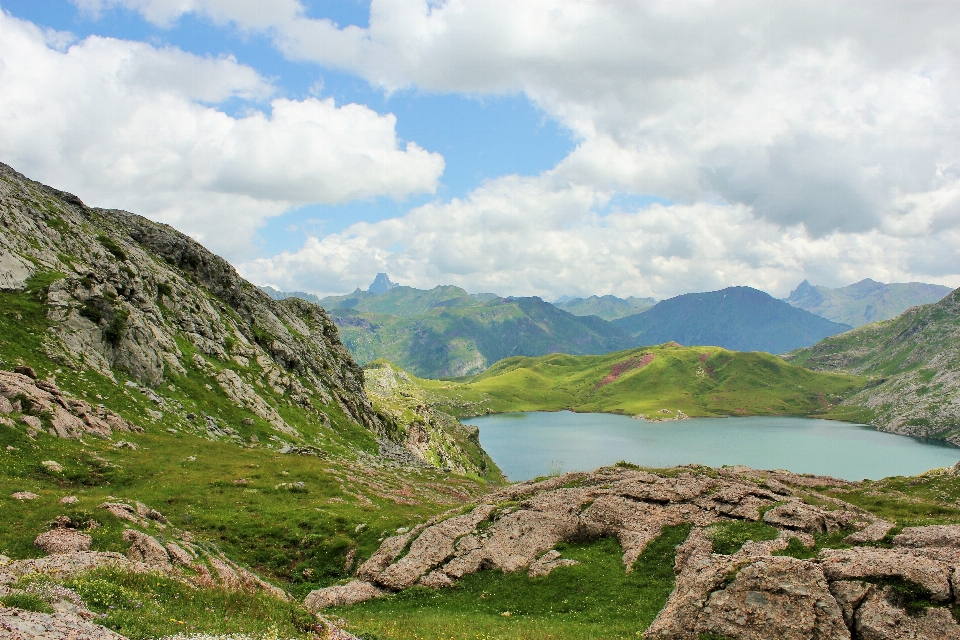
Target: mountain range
914,363
865,301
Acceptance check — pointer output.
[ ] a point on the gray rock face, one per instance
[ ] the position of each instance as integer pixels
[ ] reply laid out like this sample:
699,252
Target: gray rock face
133,287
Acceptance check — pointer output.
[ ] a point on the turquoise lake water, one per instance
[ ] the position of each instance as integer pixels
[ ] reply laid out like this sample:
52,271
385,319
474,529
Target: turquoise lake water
527,445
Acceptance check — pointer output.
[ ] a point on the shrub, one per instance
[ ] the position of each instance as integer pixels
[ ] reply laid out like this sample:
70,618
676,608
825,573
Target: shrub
111,245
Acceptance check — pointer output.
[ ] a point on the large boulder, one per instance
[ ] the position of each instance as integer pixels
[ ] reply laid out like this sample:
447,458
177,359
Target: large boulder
63,540
777,597
341,595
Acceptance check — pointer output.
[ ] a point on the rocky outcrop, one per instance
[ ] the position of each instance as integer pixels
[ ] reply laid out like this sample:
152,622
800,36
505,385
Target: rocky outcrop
628,504
132,288
341,595
63,540
17,624
68,417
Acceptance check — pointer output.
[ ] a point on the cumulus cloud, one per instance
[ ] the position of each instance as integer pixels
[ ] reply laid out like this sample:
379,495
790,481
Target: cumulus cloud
128,125
543,236
798,137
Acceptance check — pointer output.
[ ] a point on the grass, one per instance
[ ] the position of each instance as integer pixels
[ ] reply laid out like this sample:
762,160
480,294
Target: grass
150,605
728,537
595,599
223,491
657,382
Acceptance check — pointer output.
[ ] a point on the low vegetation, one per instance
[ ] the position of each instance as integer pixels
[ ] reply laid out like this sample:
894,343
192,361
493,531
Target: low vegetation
661,382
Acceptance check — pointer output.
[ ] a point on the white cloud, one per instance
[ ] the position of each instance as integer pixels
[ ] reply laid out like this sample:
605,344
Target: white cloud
128,125
245,13
542,236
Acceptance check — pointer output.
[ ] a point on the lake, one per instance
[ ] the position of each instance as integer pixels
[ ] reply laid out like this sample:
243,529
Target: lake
527,445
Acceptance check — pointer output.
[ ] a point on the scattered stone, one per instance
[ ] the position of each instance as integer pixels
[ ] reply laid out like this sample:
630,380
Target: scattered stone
69,500
436,579
154,415
32,422
16,624
5,405
874,532
123,444
120,510
53,466
63,540
24,495
341,595
145,549
546,563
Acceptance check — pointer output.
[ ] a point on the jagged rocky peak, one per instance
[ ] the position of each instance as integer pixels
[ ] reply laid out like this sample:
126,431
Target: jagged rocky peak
123,293
382,284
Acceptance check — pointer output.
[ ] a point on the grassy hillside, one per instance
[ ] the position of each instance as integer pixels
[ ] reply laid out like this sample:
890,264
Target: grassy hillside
865,301
606,307
914,361
657,382
737,318
449,333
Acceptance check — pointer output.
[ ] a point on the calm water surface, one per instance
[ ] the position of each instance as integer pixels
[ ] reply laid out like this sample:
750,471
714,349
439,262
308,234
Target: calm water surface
527,445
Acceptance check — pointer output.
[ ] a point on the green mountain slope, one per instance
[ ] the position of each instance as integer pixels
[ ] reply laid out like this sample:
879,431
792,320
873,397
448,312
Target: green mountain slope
448,333
661,382
736,318
251,427
914,361
865,301
607,307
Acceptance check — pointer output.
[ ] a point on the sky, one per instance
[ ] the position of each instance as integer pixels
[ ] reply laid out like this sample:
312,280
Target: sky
542,147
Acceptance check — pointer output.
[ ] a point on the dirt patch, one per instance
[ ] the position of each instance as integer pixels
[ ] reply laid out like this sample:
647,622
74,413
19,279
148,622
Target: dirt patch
629,364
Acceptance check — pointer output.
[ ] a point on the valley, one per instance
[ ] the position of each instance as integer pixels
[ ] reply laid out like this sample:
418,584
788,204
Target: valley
184,453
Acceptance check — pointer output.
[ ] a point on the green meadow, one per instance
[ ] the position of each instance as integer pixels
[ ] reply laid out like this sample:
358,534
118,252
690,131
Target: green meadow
656,382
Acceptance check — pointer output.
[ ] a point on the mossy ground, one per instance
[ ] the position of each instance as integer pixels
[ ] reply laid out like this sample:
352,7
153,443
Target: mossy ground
595,599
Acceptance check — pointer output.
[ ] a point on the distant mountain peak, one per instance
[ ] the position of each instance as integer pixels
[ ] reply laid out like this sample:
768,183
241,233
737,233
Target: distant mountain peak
382,284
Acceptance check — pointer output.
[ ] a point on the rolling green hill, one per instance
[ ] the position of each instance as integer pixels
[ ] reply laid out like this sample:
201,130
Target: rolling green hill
736,318
914,361
607,307
865,301
661,382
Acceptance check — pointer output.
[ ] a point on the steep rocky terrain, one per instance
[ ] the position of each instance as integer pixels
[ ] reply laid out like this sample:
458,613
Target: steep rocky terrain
736,318
914,361
865,301
768,554
127,296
